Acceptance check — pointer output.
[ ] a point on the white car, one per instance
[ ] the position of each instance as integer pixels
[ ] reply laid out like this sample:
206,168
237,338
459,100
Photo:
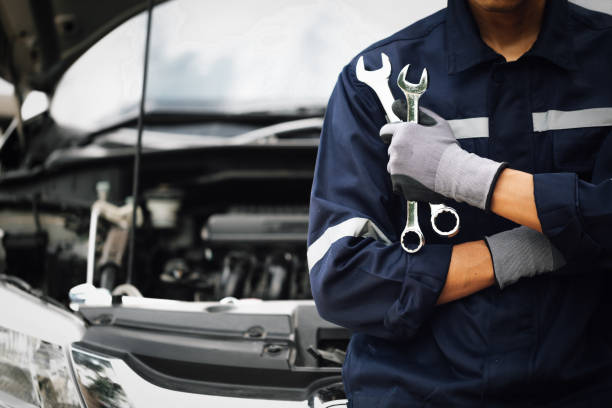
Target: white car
211,307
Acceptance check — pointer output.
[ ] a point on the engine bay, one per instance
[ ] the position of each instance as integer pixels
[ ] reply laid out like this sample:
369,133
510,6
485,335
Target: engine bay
244,252
217,229
213,223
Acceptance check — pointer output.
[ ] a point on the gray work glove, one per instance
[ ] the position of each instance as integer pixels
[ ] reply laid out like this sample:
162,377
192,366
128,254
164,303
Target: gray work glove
430,158
522,252
411,189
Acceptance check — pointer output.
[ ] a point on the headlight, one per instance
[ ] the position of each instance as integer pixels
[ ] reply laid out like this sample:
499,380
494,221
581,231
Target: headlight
34,372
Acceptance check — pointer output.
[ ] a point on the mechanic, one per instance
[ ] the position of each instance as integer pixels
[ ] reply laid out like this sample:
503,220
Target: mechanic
514,310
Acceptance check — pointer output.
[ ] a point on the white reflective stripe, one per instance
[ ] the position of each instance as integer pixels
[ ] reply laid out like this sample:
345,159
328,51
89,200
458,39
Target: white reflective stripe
542,121
469,128
556,119
354,227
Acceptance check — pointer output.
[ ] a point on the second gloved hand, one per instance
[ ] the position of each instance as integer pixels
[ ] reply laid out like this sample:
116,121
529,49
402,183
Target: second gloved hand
429,158
521,253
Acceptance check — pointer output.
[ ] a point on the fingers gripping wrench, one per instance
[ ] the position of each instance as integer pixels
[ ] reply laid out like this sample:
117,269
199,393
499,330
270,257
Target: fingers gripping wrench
378,80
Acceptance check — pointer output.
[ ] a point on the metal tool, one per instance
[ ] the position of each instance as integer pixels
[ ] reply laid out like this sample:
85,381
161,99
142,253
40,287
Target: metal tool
412,239
413,92
378,80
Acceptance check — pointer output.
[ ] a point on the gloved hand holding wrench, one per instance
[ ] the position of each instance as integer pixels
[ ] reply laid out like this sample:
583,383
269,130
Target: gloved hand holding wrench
412,238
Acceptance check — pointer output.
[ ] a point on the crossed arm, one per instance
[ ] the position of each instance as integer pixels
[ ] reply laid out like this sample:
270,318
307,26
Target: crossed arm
362,280
471,266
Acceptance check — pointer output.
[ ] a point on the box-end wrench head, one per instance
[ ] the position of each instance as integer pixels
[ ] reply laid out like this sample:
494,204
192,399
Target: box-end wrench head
412,238
444,220
378,80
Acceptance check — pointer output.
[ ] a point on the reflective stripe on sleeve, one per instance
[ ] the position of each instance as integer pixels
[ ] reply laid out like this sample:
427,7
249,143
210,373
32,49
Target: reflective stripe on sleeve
470,128
353,227
556,119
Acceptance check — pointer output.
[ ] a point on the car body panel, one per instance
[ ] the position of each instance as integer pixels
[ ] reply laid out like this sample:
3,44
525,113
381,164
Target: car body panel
39,40
37,318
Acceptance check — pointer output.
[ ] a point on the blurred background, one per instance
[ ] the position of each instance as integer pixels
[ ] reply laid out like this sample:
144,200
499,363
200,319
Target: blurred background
226,56
240,88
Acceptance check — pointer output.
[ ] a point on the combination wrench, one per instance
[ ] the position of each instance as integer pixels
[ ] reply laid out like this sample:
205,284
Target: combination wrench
413,92
378,80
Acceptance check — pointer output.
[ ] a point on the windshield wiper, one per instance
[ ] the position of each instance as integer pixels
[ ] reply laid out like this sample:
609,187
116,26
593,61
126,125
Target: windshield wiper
182,117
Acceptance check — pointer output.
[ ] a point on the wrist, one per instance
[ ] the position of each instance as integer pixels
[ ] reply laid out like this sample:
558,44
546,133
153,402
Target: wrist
503,166
521,252
513,197
467,177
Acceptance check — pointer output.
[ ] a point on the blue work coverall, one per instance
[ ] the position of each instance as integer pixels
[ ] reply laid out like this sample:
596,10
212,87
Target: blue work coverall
544,341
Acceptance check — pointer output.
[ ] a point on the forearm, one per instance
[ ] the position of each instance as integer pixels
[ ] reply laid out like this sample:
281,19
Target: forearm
501,259
470,270
471,266
575,214
513,199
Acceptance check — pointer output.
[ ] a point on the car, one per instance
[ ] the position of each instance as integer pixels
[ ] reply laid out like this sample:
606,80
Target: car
217,310
211,306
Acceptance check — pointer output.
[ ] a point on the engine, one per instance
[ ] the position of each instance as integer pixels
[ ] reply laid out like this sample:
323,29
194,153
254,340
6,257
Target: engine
242,252
246,252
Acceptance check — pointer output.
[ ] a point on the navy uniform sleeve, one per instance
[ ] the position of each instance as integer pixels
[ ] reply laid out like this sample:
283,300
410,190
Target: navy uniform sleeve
576,215
360,276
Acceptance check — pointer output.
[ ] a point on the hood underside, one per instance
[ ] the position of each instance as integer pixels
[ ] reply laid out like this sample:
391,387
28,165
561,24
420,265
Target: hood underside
40,39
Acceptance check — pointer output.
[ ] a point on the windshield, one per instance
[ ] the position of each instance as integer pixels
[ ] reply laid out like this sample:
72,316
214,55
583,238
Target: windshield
226,56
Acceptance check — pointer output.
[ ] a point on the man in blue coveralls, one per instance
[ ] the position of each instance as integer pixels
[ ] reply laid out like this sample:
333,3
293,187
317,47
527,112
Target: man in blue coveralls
514,310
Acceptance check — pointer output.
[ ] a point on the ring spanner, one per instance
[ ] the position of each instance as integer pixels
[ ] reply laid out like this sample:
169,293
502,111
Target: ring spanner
378,80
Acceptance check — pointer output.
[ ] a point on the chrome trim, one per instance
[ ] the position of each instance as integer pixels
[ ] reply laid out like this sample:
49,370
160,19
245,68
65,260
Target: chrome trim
97,380
141,393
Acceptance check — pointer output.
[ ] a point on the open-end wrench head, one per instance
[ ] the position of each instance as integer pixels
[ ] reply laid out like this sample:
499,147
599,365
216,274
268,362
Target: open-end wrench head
366,76
378,81
409,87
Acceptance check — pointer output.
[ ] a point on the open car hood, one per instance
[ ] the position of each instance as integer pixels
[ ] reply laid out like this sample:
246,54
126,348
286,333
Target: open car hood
40,39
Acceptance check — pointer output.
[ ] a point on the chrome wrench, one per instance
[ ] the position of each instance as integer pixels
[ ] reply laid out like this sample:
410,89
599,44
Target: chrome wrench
378,80
413,92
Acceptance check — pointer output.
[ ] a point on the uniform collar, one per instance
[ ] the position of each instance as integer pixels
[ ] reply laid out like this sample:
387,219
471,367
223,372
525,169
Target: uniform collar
466,49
